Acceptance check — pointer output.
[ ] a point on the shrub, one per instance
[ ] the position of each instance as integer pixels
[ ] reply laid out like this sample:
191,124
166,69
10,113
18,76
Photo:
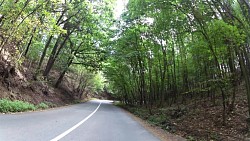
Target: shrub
42,106
7,105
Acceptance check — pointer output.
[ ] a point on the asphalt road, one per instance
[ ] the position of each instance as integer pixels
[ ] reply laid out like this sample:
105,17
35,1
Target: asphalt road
91,121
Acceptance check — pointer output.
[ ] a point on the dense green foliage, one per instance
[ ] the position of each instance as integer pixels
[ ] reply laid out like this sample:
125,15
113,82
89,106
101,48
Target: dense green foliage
7,106
169,51
68,36
15,106
56,34
159,52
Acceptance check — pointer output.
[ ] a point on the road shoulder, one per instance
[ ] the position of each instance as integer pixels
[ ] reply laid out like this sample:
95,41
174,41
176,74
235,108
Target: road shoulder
156,131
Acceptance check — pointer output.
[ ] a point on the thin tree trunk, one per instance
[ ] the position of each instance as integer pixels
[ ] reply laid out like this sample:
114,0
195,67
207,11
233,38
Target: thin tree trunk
44,53
70,61
59,80
245,75
53,56
48,43
30,41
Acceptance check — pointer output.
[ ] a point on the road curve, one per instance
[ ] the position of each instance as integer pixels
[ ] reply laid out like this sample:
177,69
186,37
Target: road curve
96,120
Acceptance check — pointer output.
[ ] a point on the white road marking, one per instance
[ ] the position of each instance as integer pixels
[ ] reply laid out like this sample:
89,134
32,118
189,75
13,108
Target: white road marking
74,127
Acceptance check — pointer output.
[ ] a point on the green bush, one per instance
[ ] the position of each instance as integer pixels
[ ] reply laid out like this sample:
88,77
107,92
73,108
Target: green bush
42,106
7,105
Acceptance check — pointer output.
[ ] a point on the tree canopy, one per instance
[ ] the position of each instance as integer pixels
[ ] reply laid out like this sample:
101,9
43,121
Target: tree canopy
169,51
158,52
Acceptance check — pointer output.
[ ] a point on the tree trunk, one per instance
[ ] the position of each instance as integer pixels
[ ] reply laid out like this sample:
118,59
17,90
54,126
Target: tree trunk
30,41
59,80
54,54
48,43
245,7
245,75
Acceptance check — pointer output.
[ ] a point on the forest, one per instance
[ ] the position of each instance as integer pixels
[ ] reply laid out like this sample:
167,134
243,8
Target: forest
158,54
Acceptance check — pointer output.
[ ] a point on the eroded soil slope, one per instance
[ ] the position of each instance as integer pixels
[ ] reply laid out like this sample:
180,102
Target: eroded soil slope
17,83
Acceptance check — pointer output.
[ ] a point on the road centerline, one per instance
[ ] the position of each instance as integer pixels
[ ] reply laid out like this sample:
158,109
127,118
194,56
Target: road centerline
75,126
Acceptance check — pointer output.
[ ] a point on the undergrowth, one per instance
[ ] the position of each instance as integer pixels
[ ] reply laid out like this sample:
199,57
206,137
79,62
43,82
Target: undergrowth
7,106
42,106
158,117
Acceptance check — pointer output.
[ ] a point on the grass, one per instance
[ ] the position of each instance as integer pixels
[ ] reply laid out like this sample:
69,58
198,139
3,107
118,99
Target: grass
42,106
8,106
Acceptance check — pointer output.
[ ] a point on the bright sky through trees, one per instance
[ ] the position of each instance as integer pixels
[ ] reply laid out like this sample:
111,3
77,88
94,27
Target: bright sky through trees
120,6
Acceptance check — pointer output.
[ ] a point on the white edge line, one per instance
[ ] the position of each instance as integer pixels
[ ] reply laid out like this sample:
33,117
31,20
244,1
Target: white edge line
74,127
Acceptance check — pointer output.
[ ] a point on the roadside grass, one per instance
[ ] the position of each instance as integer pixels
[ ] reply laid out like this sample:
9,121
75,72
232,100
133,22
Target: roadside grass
8,106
